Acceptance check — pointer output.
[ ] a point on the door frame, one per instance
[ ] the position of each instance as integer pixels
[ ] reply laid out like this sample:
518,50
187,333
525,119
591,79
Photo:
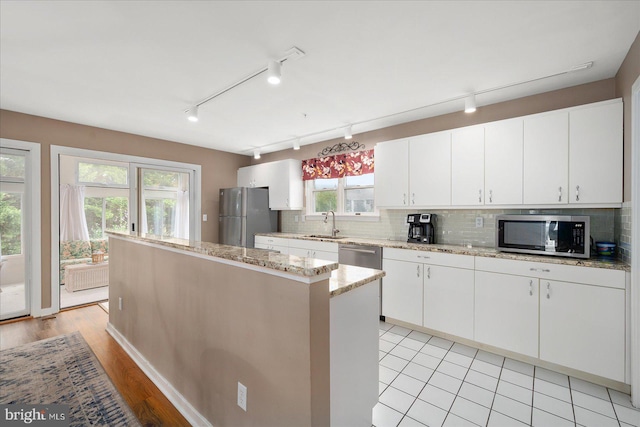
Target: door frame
33,257
635,243
56,151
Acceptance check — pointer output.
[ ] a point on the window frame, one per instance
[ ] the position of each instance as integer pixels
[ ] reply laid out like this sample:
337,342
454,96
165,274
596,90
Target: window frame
340,201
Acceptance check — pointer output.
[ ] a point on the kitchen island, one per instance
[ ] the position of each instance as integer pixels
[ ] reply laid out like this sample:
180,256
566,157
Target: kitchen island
200,319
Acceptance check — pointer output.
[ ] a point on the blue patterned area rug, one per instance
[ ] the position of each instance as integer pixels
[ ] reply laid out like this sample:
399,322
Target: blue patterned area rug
63,370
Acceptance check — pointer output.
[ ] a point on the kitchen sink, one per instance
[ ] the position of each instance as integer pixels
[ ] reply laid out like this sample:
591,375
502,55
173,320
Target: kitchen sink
325,236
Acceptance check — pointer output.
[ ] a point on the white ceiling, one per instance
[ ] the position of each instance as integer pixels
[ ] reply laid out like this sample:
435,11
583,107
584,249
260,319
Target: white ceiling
136,66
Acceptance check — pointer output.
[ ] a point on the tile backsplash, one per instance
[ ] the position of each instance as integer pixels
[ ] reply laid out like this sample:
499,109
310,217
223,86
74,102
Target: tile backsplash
456,227
622,221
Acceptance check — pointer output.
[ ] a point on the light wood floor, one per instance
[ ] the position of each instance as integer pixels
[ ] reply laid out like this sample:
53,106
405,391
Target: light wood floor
150,406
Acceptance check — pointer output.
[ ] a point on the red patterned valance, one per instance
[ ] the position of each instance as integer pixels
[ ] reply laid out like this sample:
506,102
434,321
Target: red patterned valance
338,166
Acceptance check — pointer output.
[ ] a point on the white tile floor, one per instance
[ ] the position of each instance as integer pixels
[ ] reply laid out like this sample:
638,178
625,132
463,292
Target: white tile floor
429,381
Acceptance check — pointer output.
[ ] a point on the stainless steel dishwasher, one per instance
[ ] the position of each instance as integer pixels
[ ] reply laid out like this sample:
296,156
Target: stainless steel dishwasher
362,256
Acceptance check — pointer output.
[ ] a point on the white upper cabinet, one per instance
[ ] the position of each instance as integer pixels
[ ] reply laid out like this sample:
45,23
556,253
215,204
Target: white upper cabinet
503,148
392,174
467,166
284,179
430,169
595,147
546,158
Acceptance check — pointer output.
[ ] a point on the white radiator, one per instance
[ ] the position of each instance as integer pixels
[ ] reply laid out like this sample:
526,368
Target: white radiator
86,276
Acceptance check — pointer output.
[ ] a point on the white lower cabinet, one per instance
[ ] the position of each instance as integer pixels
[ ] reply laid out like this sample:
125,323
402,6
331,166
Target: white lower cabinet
583,327
430,289
448,300
506,312
402,291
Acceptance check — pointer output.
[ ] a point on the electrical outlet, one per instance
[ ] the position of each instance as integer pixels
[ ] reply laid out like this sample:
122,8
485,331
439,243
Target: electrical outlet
120,303
242,396
204,217
479,222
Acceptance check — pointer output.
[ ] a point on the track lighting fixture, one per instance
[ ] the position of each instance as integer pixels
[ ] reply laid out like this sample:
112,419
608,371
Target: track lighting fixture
274,72
470,104
192,114
347,132
296,144
256,154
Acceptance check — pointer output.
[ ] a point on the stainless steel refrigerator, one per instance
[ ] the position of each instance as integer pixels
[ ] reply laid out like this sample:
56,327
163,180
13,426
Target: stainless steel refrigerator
243,213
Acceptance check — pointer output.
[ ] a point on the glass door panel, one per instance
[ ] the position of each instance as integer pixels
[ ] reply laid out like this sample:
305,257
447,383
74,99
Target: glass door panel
14,227
165,202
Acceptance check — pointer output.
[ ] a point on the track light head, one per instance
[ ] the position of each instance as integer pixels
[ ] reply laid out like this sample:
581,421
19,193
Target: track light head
347,132
274,72
256,154
470,104
192,114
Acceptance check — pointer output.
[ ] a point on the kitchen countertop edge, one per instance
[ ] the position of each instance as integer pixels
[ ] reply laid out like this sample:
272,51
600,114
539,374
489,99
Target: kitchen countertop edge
462,250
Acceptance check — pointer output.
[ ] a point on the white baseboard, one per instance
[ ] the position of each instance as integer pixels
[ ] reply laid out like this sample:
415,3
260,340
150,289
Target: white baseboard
182,405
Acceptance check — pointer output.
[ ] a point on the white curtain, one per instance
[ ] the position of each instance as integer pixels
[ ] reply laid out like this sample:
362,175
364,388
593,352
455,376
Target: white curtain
181,224
73,224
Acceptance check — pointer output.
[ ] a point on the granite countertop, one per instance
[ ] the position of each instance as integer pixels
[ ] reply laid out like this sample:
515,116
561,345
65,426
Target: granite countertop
594,262
348,277
307,267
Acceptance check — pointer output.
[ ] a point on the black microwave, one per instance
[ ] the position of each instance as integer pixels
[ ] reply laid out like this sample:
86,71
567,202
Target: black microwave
559,235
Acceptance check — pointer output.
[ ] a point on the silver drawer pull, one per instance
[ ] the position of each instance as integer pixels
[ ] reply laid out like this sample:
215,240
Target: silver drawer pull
363,251
543,270
424,257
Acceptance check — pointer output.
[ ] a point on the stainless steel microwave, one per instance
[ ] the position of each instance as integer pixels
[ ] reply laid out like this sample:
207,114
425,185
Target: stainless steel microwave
559,235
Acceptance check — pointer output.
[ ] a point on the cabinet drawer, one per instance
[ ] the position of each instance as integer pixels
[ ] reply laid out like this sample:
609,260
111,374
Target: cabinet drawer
565,273
427,257
268,240
313,245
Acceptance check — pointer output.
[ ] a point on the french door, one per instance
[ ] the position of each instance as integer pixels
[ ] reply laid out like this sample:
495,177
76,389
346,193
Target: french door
15,232
162,200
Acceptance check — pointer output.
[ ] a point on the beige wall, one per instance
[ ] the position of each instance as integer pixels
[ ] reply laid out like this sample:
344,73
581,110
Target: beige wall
230,324
627,75
218,168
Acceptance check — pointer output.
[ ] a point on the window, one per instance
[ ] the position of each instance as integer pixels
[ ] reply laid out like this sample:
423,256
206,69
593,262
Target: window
11,223
12,176
103,174
106,213
351,195
165,209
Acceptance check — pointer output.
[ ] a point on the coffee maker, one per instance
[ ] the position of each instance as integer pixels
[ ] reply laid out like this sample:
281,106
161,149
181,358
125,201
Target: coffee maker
421,228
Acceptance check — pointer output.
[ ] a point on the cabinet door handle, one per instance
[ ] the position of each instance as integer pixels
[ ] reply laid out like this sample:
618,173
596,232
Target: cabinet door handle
428,272
490,196
577,193
404,198
480,196
418,270
530,287
413,198
559,194
548,290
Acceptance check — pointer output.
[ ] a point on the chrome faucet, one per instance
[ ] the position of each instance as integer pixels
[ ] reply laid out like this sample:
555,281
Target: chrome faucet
334,230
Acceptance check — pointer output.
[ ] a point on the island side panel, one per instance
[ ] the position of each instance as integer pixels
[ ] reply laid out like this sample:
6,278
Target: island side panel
205,326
